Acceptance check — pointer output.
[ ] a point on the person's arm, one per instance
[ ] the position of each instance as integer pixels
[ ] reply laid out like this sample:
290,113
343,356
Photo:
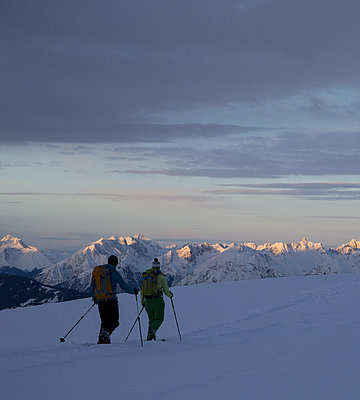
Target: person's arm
117,279
162,285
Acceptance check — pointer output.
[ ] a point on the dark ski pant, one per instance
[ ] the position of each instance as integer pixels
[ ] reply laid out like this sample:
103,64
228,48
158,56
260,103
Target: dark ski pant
155,309
109,315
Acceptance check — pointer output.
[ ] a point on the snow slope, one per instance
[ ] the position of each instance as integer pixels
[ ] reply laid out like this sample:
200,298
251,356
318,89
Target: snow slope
290,338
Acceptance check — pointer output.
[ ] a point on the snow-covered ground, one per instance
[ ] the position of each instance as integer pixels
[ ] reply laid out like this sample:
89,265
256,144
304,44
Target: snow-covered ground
282,339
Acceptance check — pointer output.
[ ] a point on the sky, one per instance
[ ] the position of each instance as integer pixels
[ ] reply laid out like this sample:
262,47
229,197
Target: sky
192,120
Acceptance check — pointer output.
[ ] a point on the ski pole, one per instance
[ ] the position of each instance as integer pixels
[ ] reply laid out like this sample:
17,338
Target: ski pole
134,324
138,318
177,324
62,339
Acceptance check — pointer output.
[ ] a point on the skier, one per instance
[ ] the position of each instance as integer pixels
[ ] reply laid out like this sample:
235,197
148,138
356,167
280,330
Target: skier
103,290
153,286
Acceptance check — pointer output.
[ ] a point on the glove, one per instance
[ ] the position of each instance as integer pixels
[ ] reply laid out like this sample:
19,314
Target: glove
136,291
94,300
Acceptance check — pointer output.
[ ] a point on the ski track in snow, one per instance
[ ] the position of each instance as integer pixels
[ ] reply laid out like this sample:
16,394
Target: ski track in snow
288,338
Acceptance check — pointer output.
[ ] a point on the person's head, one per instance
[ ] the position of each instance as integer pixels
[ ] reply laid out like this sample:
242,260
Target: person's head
156,264
113,260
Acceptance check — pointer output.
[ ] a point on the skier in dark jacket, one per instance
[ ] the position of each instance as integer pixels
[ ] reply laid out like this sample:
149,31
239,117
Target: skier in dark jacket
103,290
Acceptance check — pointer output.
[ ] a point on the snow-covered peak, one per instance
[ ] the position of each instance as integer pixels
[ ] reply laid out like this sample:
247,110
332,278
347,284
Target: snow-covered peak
14,242
191,252
121,245
15,253
252,245
199,263
141,237
129,240
352,246
276,248
135,254
220,247
281,248
305,245
99,241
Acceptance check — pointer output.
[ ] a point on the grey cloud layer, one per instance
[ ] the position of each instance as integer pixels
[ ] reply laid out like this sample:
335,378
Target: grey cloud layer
125,133
86,71
126,196
259,157
309,190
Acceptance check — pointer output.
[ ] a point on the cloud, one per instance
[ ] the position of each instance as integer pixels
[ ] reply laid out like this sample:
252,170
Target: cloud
196,172
76,73
170,197
298,186
147,196
308,190
4,165
271,156
332,105
335,217
119,132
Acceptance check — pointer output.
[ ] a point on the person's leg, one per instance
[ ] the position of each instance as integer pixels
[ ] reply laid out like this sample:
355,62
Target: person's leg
149,307
159,311
109,315
113,321
104,337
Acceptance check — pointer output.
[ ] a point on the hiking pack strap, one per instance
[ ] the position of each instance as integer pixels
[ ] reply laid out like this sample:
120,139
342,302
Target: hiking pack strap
154,296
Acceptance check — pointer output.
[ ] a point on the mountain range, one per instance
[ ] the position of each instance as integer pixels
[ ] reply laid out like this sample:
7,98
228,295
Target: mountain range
182,265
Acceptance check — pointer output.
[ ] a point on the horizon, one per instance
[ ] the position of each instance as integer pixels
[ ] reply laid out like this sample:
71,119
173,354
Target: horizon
166,242
188,120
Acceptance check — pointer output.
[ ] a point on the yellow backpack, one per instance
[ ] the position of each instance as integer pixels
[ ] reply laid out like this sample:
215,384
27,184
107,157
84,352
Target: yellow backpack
149,285
102,283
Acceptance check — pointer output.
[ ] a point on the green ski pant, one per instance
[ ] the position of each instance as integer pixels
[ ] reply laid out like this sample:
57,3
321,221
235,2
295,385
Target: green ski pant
155,309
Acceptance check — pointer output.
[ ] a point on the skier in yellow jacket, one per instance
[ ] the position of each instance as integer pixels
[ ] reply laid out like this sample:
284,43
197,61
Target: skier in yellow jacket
152,289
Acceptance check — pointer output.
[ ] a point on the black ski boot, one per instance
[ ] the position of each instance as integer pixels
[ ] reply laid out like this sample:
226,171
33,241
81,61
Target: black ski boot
104,337
151,334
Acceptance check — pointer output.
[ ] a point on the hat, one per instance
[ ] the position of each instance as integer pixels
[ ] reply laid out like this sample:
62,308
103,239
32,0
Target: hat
156,263
113,260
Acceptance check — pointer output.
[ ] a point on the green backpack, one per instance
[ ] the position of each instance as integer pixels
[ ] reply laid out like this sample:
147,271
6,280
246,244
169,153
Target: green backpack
149,286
